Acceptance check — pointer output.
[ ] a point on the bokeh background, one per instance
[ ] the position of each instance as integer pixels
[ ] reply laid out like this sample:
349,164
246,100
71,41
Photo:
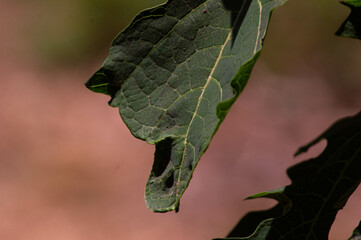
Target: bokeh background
70,169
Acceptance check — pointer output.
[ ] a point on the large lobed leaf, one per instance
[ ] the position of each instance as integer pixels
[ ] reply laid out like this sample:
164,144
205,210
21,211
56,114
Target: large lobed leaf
174,74
320,188
352,26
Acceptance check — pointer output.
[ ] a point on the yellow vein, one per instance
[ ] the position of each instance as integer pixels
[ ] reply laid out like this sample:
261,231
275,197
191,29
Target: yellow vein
196,110
259,26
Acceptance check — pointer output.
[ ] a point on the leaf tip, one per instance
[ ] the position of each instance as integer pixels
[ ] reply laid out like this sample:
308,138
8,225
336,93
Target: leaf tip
100,83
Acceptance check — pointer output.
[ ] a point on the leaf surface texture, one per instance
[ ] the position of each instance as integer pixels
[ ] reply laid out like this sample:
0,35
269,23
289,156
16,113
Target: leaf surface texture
174,74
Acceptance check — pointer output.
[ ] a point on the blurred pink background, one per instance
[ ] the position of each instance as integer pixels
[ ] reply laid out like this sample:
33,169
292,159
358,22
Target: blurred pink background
70,169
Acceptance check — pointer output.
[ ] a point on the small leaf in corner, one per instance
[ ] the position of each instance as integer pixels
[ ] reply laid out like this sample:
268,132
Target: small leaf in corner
351,28
356,235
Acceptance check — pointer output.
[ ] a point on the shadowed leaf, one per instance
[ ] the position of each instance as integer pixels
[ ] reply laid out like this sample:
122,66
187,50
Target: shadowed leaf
320,187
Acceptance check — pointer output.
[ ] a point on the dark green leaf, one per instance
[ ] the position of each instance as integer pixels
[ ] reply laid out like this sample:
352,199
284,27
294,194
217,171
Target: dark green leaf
356,235
174,73
352,26
320,188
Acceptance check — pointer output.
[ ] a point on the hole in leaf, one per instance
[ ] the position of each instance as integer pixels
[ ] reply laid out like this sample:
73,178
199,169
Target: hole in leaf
162,156
169,181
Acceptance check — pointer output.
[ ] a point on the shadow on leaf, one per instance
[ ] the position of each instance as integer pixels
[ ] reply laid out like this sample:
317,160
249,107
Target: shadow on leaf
238,13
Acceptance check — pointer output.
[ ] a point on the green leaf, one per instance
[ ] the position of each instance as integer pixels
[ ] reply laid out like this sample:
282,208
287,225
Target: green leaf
352,26
320,188
174,73
356,235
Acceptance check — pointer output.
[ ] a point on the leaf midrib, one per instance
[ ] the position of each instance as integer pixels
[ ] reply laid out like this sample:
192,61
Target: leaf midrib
196,110
259,25
205,86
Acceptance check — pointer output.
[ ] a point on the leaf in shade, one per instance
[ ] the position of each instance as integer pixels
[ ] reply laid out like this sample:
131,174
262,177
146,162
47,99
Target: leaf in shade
356,235
320,187
352,26
249,223
174,73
